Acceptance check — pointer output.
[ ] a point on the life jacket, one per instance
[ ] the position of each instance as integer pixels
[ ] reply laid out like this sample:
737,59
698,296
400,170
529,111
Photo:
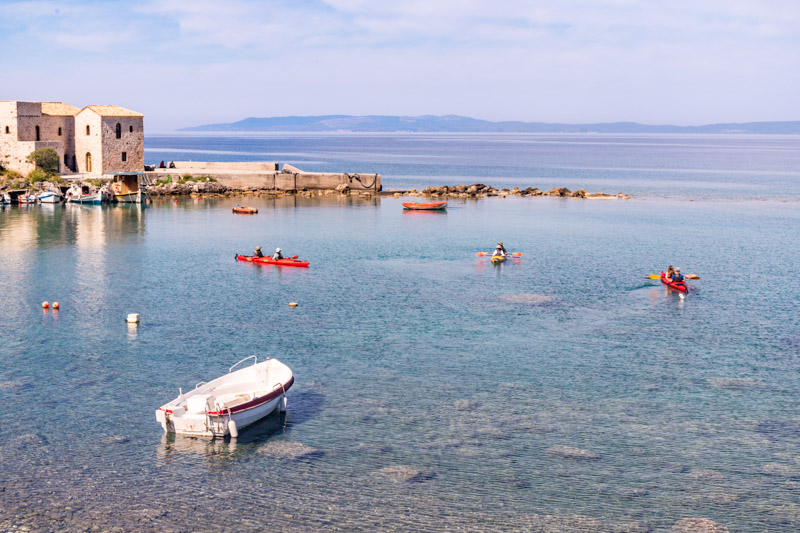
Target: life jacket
677,277
258,253
276,256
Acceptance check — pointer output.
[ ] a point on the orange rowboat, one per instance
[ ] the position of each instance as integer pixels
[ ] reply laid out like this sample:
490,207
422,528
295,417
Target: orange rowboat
245,210
427,206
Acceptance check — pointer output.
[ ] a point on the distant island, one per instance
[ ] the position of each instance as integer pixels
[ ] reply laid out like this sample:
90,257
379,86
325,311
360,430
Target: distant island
459,124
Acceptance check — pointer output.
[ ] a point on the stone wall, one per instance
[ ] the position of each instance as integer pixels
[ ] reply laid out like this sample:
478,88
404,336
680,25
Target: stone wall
197,166
22,119
88,143
131,143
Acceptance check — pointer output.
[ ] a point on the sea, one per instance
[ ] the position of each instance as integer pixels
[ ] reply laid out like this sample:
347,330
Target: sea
563,390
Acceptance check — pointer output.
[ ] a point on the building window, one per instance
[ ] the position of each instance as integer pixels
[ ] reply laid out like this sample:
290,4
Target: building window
37,133
87,129
119,130
88,161
124,156
59,132
131,129
8,130
66,160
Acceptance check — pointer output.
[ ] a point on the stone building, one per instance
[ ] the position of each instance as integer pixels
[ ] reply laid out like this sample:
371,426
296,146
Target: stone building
93,140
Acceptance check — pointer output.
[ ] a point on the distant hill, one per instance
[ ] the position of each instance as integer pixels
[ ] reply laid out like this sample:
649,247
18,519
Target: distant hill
458,124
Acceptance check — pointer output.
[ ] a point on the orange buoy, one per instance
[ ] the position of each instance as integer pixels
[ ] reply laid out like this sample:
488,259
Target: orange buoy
45,305
55,305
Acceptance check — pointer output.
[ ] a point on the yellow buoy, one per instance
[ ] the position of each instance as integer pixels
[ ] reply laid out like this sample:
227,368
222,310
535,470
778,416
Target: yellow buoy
292,304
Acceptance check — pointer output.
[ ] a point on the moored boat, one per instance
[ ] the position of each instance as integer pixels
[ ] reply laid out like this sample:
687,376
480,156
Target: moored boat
51,197
27,198
266,260
83,194
243,210
129,187
677,285
229,403
424,206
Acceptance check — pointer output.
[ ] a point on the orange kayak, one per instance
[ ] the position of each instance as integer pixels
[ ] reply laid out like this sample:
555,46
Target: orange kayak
425,206
245,210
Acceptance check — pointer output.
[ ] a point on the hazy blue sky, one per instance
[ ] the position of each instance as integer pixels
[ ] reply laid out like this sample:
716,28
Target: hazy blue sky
187,62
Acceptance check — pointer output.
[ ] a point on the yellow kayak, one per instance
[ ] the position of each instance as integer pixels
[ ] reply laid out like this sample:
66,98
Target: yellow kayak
496,259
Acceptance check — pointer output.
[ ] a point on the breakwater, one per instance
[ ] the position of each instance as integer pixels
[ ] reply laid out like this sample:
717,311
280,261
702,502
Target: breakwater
480,190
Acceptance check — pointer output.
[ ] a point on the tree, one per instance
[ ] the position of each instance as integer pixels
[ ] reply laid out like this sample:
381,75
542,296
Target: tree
45,159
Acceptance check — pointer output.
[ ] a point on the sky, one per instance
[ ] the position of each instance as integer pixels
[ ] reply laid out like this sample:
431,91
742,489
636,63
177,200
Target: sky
191,62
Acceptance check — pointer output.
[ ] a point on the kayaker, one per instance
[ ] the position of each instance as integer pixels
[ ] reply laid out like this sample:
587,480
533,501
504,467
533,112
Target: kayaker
670,272
499,251
677,277
277,255
500,245
258,253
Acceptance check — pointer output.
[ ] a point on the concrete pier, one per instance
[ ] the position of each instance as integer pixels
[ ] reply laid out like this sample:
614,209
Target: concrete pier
266,175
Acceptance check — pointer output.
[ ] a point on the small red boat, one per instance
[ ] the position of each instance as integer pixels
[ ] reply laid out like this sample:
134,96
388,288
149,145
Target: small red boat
245,210
426,206
266,260
677,285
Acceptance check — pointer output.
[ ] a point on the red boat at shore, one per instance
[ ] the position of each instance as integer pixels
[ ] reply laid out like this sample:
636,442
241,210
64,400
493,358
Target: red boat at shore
426,206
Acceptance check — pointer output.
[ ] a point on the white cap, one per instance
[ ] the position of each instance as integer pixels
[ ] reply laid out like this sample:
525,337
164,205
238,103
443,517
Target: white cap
677,269
277,249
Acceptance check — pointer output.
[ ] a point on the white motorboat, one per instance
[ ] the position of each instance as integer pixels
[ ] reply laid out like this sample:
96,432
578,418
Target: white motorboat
229,403
50,197
82,194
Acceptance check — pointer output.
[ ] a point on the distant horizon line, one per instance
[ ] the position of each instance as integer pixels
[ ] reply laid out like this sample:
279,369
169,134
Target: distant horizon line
463,124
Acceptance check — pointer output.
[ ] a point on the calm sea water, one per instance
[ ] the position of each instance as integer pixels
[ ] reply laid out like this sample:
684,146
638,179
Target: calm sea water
410,351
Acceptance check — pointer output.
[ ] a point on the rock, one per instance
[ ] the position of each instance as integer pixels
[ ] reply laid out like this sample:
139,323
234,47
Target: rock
515,191
460,188
403,473
343,188
568,452
531,299
289,169
289,450
556,191
580,193
698,525
736,383
466,405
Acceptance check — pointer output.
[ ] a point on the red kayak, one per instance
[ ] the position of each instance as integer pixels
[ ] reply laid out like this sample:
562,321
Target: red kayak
677,285
266,260
426,206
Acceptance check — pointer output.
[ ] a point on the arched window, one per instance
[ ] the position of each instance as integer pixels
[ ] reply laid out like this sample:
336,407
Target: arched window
87,129
37,134
131,129
119,130
59,132
88,161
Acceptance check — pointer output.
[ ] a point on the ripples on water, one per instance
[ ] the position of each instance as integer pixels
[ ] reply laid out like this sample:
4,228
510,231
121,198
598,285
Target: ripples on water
559,392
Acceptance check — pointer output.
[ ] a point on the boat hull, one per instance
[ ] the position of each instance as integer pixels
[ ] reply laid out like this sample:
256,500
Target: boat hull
242,397
427,206
678,286
128,198
50,198
497,259
269,261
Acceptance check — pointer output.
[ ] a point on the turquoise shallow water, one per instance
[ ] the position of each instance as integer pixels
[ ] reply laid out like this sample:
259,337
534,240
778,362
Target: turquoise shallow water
407,351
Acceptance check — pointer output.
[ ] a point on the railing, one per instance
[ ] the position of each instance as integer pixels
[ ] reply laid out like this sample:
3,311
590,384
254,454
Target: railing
242,361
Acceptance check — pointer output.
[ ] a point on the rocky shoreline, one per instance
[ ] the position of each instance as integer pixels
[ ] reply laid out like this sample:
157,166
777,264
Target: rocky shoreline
476,190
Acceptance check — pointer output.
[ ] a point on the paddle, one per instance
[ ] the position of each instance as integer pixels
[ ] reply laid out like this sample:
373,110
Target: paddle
687,276
483,254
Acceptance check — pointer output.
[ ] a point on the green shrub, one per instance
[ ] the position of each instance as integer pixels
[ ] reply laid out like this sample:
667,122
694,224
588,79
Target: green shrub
164,181
39,174
45,159
12,174
207,178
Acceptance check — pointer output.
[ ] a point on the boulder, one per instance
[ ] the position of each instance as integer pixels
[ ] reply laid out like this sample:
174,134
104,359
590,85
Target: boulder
698,525
568,452
289,169
343,188
580,193
289,450
403,473
460,188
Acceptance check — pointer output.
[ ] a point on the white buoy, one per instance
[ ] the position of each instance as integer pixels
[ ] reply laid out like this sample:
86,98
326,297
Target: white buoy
282,404
133,318
232,429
